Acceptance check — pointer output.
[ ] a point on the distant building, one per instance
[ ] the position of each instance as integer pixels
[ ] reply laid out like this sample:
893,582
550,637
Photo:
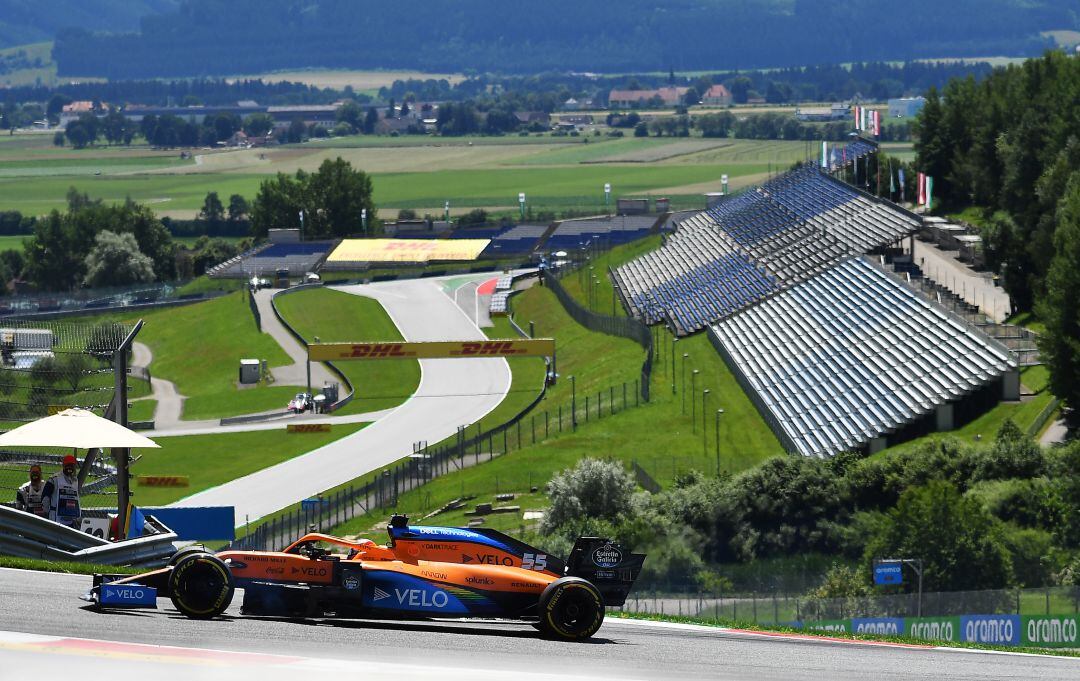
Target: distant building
717,95
669,96
571,105
530,117
836,112
906,107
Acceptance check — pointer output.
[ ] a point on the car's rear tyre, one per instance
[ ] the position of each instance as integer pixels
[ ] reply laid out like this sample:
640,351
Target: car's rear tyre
570,609
187,551
201,586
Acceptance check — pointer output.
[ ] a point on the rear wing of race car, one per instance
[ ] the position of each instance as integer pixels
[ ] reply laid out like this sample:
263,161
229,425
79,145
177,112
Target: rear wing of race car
607,565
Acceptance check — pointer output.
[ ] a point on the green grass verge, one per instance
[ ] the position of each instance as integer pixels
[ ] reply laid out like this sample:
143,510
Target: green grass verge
65,566
599,296
337,316
225,329
211,460
751,626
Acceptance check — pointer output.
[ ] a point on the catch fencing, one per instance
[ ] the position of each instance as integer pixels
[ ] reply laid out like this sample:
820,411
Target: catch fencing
780,608
626,327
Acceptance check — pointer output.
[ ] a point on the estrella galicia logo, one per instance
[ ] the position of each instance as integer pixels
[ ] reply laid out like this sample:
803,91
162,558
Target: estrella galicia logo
351,583
607,556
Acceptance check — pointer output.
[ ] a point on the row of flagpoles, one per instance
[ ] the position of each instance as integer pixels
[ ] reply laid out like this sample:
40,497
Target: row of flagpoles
869,121
833,158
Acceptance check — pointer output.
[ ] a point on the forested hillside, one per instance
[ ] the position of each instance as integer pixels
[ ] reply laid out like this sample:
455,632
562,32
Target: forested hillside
31,21
205,37
1009,146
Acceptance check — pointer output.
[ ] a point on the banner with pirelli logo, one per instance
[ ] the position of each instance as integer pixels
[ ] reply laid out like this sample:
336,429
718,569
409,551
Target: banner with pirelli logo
534,347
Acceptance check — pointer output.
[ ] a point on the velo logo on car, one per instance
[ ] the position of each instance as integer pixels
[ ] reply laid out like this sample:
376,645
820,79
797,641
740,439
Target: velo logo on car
607,556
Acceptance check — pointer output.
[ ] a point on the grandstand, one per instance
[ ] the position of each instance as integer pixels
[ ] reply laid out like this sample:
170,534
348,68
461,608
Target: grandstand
753,244
518,240
297,258
607,231
851,355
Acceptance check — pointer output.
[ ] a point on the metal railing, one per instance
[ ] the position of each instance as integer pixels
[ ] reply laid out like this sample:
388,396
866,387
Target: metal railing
626,327
25,535
781,608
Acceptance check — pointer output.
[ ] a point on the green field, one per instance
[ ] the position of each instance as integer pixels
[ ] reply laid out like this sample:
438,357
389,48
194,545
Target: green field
336,316
419,172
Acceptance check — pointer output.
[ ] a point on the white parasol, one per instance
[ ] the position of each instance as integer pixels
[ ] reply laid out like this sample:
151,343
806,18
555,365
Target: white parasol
77,428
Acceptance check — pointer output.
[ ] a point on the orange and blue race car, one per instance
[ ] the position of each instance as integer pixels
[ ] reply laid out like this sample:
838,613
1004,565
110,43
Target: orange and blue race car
421,573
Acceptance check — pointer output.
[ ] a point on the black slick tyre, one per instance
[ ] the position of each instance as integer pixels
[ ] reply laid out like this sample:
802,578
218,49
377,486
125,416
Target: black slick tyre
187,551
570,609
201,586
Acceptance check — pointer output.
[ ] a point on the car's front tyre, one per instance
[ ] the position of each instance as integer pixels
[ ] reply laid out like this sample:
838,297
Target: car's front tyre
201,586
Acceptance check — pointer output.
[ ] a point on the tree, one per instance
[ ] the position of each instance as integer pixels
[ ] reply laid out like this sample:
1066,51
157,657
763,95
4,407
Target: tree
212,210
296,132
593,489
1060,308
351,114
371,119
78,135
238,208
950,533
258,125
116,260
332,200
740,89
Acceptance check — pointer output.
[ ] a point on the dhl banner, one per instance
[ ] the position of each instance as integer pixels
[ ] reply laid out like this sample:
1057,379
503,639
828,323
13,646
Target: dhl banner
308,428
535,347
163,480
407,250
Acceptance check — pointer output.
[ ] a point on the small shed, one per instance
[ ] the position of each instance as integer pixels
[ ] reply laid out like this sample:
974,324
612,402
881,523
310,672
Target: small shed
249,371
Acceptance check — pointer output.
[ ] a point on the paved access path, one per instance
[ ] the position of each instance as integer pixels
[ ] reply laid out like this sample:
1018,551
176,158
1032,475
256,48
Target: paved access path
973,287
170,403
452,393
295,373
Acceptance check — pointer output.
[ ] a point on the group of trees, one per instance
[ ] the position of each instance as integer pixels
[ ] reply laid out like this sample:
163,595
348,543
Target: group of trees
328,203
559,36
1010,146
94,244
1007,506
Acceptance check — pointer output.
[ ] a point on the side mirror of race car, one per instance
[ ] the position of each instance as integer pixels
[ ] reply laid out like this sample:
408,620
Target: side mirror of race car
607,565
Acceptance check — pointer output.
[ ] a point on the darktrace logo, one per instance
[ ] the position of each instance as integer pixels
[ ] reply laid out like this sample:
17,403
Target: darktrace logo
607,556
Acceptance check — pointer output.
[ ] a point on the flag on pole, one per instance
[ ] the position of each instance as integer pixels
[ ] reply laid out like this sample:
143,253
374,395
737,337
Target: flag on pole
929,193
875,123
900,176
892,181
921,182
856,112
824,154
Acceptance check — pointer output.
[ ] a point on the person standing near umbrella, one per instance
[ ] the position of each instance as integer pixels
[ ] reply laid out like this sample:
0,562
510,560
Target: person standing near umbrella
60,497
29,497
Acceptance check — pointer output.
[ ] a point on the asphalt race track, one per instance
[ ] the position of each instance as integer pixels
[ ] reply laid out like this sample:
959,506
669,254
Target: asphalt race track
452,393
44,626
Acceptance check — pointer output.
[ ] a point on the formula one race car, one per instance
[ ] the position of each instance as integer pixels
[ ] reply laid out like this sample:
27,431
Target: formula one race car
421,573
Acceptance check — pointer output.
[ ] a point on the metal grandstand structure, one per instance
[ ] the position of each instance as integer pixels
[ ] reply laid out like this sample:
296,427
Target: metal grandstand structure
836,353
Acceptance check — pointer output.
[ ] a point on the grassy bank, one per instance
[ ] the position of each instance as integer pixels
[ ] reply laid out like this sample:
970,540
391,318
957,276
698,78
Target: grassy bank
334,316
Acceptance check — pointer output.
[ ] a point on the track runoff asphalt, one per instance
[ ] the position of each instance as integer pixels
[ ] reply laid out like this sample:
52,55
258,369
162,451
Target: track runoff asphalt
452,393
43,626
